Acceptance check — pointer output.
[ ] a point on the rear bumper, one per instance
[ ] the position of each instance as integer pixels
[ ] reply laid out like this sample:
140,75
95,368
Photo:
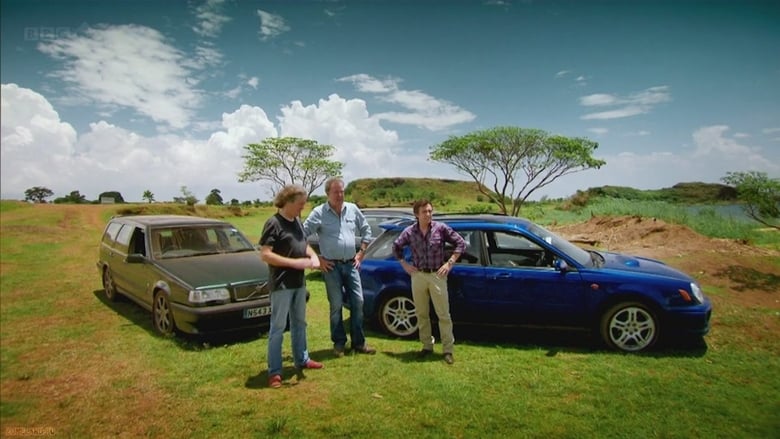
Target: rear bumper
219,318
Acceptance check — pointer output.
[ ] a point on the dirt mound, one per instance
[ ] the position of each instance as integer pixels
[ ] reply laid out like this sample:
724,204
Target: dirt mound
650,237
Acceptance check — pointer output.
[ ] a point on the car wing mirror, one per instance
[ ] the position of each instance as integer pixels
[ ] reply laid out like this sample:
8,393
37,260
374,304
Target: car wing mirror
561,265
135,258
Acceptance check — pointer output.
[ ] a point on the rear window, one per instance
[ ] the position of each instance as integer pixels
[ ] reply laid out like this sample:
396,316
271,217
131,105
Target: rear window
112,230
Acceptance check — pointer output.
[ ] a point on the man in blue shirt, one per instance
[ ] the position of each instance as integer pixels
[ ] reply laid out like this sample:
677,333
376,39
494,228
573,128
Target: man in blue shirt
338,223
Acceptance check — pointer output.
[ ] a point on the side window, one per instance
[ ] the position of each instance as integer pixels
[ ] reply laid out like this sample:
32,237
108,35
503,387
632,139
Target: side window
112,230
514,250
138,241
123,237
472,253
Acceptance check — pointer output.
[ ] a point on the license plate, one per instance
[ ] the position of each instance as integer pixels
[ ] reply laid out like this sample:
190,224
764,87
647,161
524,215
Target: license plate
252,313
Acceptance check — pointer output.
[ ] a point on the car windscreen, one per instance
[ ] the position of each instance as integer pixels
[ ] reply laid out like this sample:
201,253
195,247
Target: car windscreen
578,254
185,241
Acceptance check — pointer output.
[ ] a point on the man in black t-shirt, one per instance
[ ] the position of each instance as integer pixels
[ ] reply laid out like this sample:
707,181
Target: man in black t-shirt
284,248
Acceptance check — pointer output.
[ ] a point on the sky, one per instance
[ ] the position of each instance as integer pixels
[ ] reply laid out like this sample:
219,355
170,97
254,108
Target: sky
129,96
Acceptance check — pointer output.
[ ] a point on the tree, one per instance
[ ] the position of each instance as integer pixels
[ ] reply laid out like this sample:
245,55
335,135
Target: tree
148,196
113,194
74,197
286,160
37,194
760,194
214,198
187,197
518,161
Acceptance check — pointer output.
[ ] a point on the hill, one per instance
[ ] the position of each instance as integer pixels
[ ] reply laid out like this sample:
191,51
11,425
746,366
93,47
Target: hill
402,191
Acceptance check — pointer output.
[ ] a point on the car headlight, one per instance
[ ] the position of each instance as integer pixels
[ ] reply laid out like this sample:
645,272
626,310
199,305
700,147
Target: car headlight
697,292
211,295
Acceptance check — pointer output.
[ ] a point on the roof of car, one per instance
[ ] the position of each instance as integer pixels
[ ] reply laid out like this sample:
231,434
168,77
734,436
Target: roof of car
401,211
465,218
166,220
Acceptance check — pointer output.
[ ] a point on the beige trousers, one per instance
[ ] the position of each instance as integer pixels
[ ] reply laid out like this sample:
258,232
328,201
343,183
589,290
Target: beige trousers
429,288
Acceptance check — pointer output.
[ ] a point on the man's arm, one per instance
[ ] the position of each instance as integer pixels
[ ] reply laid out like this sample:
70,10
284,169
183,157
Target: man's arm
269,257
313,221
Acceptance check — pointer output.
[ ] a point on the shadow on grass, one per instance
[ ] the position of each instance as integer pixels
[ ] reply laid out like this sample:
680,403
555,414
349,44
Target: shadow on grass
140,317
554,342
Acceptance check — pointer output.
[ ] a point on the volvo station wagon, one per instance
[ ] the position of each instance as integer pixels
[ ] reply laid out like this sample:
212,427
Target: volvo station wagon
194,275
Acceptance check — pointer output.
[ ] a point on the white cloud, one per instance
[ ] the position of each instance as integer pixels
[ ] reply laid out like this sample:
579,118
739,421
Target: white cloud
598,130
424,110
562,73
360,141
211,19
711,142
38,149
271,25
714,154
127,66
253,82
638,103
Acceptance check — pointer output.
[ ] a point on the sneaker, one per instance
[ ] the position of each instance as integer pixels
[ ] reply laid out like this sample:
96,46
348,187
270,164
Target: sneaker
365,350
338,351
275,381
448,358
424,353
311,364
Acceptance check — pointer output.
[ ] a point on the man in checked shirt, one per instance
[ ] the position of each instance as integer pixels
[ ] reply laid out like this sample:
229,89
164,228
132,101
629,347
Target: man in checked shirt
426,239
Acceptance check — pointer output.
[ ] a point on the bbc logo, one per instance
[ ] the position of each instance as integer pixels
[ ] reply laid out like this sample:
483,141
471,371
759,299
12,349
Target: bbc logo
46,33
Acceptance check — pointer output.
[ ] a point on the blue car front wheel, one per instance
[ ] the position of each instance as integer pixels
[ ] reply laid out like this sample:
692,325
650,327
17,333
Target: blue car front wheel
630,327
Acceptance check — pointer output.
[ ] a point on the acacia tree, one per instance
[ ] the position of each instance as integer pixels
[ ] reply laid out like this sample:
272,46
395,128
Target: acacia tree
760,194
214,198
187,197
287,160
37,194
515,162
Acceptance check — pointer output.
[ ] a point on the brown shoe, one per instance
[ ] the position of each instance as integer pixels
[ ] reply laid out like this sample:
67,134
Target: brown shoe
365,350
424,353
448,358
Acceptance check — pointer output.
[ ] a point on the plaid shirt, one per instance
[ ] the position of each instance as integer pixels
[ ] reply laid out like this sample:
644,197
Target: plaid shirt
428,250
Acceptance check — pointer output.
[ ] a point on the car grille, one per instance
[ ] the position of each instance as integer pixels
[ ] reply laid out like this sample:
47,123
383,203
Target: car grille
251,292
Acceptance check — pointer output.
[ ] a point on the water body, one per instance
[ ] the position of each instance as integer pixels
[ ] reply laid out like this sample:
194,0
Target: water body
733,211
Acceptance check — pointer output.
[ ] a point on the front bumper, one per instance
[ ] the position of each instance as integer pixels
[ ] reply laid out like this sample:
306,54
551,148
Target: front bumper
219,318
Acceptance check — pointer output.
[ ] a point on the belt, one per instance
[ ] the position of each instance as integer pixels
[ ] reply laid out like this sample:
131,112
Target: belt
342,261
427,270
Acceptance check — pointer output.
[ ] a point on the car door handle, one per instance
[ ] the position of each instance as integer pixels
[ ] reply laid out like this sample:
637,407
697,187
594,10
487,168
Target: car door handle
502,276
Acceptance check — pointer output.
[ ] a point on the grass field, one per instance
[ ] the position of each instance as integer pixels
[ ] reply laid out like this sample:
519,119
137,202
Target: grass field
74,365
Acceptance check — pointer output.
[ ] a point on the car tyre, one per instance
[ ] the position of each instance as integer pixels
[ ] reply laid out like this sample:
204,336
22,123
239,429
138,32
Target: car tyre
397,315
109,287
630,327
162,316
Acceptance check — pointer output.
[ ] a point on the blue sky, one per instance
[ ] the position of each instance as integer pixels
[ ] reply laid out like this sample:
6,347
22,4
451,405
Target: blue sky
134,95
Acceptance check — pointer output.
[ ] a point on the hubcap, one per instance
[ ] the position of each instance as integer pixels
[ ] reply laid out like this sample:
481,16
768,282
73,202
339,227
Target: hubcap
632,329
400,316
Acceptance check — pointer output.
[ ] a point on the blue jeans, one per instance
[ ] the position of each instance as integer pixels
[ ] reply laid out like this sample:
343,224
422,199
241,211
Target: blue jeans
289,302
344,277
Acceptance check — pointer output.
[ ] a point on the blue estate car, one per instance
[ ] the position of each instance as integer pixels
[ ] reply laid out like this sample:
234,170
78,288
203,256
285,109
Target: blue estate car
517,273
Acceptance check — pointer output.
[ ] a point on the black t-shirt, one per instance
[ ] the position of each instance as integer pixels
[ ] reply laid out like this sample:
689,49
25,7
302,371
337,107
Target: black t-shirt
288,239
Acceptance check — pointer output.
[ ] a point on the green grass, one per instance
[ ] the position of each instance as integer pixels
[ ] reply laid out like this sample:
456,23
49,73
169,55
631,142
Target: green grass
72,362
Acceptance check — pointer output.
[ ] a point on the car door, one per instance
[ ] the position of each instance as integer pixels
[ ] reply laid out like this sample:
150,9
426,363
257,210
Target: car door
469,298
523,290
131,277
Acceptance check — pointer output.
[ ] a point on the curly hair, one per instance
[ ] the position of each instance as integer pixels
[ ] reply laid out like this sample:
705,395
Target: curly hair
288,194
